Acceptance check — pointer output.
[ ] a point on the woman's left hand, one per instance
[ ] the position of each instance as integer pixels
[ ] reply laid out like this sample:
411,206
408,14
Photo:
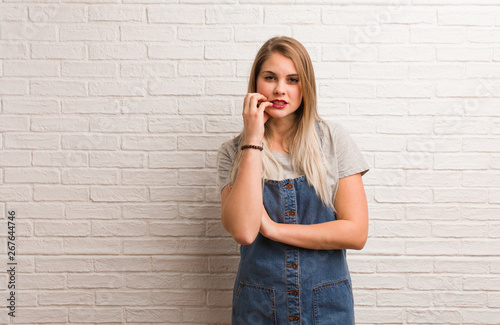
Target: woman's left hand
267,225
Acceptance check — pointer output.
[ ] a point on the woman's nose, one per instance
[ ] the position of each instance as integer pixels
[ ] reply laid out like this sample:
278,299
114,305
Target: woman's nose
279,89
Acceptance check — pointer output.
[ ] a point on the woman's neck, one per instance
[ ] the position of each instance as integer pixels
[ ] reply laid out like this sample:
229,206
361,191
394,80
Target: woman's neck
279,127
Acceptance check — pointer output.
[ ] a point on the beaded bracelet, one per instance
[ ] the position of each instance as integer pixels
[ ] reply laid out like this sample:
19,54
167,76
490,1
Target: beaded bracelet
251,146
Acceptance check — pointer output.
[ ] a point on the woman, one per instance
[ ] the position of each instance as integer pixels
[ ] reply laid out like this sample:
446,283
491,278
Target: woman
292,196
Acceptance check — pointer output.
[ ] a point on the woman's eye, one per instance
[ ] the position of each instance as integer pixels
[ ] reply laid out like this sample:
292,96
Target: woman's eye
269,77
294,80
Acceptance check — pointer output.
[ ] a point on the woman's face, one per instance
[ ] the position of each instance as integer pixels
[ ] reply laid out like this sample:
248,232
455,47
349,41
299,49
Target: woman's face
279,82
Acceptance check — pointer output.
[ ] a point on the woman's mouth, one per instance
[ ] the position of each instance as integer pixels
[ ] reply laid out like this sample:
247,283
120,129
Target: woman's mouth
279,103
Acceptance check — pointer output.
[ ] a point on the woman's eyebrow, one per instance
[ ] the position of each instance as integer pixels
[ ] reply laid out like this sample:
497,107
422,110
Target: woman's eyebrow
290,75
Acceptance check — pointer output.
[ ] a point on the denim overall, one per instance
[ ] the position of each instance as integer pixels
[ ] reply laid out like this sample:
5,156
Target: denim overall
283,284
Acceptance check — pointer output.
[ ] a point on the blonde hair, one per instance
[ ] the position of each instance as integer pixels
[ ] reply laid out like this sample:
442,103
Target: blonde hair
302,138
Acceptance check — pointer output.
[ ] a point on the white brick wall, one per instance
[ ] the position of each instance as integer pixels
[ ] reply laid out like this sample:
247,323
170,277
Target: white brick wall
111,113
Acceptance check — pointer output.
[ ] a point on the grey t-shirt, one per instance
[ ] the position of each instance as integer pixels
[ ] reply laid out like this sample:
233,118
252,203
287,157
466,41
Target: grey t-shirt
341,152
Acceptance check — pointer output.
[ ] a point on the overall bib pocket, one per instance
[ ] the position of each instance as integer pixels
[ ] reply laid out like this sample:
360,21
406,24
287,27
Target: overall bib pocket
254,305
333,303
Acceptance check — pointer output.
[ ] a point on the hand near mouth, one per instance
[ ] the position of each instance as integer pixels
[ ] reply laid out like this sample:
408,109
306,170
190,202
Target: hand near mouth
254,117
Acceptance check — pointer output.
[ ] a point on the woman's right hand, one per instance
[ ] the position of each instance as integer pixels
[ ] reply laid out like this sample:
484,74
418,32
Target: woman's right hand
254,117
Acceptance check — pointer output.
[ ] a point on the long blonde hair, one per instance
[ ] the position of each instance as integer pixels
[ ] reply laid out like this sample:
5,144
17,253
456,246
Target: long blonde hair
302,140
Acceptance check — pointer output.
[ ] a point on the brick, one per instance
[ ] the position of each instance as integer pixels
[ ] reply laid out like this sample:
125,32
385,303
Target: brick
413,160
176,160
326,34
226,87
93,141
329,70
118,228
117,159
206,33
177,229
122,264
150,33
457,126
433,248
149,177
42,315
92,211
194,177
94,281
220,298
42,281
31,107
206,106
60,158
13,87
59,124
177,194
118,13
481,179
405,90
207,246
178,298
122,298
149,142
436,212
380,316
405,264
401,229
235,15
347,89
31,141
465,161
175,52
464,54
485,316
118,194
459,230
178,86
89,69
149,106
63,264
199,211
31,31
433,178
117,88
224,124
200,142
152,246
153,315
464,300
480,247
89,176
60,193
434,144
60,13
58,88
435,282
406,53
429,71
430,316
91,246
405,126
404,299
117,124
64,51
39,210
183,264
14,123
175,14
461,265
175,124
62,228
16,193
13,51
147,70
90,106
359,52
13,13
224,51
15,159
483,35
386,35
66,298
369,281
465,17
117,51
30,69
88,32
31,175
150,211
206,69
96,315
154,281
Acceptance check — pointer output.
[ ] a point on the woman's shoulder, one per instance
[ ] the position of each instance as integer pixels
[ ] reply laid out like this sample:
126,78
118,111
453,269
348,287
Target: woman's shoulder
230,147
331,131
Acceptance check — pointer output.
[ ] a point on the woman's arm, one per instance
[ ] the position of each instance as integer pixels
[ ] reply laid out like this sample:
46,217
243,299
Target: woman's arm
241,207
349,231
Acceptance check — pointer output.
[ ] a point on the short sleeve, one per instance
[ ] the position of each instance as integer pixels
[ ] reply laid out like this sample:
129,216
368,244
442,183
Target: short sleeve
225,158
350,160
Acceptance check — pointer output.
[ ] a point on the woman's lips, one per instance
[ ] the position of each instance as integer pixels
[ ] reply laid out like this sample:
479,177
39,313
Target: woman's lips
279,103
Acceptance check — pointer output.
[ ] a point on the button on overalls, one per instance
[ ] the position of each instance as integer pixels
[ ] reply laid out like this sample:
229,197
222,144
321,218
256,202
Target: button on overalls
283,284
